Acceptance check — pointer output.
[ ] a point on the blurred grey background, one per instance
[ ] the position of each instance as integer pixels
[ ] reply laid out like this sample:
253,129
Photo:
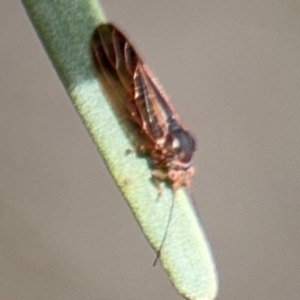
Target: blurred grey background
232,69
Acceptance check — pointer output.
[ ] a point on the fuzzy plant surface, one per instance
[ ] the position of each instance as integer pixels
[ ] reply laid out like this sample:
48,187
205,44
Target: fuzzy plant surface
65,29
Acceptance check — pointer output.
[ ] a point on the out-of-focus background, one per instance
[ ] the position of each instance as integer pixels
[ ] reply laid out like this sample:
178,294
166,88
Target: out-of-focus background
232,69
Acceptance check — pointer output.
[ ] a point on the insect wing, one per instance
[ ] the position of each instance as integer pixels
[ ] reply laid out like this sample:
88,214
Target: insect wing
145,101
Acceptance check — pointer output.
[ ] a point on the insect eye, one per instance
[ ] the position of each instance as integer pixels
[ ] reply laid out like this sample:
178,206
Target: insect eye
185,157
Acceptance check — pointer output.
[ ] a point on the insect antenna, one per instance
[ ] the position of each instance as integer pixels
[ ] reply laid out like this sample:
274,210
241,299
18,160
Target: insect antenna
166,231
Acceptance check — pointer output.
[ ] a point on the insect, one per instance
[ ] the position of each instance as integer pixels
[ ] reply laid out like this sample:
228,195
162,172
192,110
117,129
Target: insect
166,141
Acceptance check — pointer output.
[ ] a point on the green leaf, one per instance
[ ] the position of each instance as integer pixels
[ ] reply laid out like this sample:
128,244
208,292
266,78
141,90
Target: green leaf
65,29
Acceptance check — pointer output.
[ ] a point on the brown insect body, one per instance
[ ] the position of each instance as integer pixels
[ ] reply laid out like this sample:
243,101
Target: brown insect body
169,145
